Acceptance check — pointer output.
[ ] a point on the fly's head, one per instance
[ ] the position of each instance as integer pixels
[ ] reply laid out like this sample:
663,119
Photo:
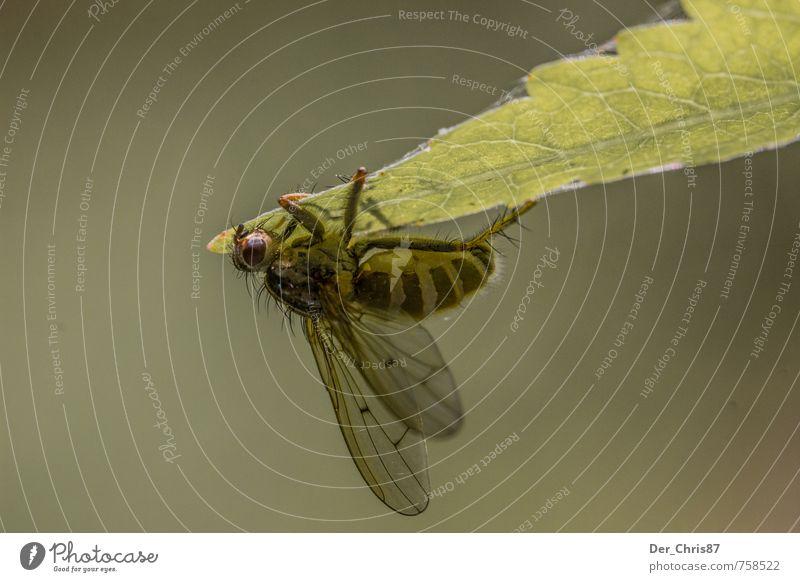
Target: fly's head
279,268
253,253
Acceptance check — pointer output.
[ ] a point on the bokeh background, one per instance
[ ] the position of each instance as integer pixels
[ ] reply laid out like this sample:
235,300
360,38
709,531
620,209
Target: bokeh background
109,303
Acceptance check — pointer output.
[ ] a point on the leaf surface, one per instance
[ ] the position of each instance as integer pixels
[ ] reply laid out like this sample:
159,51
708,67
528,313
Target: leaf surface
677,95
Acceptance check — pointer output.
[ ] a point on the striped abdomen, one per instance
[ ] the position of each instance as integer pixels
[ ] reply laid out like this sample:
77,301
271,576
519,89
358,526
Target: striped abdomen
420,282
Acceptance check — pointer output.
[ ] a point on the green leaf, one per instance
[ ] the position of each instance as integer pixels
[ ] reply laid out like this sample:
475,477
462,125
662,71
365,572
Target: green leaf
678,94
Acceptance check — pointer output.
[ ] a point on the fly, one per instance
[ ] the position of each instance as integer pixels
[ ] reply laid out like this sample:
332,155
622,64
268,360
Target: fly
361,306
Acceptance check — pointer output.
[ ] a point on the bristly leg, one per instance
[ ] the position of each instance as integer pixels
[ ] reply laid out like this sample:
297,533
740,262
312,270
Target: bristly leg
358,180
514,241
502,222
289,202
455,245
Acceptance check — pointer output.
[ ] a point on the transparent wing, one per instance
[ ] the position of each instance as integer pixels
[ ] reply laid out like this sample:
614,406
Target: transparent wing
390,455
400,362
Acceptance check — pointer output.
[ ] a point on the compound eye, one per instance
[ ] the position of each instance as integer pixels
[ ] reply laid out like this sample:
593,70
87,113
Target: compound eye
250,250
254,250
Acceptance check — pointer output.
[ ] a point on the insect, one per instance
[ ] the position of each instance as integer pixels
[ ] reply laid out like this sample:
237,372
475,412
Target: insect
362,306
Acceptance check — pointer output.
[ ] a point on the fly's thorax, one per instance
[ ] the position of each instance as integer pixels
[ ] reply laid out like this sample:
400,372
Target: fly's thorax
420,282
296,276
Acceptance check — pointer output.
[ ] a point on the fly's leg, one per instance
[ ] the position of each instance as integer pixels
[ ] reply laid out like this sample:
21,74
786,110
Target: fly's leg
439,245
289,202
358,180
499,225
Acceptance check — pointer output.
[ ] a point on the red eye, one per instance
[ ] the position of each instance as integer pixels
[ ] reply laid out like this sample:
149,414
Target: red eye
254,250
251,249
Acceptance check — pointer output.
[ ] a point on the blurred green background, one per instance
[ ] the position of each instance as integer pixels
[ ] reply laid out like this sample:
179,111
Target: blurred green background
100,317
